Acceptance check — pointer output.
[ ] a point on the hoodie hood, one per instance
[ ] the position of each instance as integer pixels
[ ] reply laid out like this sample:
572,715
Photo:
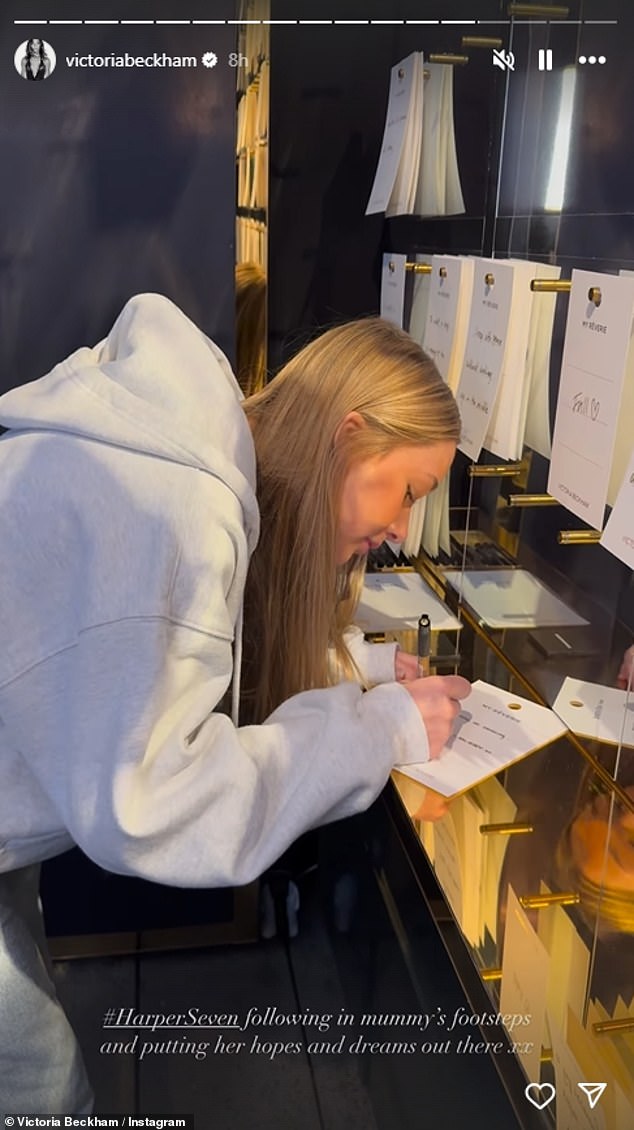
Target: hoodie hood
155,385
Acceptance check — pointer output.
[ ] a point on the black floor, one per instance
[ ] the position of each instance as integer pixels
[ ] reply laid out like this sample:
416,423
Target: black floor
252,1089
347,959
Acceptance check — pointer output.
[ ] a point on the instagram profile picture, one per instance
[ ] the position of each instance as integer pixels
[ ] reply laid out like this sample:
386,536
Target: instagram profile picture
35,59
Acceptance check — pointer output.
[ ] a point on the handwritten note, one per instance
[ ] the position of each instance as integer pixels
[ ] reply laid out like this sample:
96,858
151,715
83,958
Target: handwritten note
595,354
393,288
445,337
484,352
494,729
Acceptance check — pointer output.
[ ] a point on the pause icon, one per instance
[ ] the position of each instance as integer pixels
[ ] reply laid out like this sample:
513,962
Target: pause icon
545,60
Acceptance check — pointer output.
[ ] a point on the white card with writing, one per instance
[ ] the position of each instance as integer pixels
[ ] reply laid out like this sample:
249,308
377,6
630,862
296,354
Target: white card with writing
618,535
595,711
484,351
591,384
441,312
393,288
494,729
525,965
402,77
445,337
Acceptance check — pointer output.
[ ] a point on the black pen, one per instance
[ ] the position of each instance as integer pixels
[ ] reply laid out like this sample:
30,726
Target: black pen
423,647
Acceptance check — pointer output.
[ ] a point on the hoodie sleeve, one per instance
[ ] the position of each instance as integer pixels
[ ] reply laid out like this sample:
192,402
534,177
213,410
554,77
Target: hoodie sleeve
374,661
150,781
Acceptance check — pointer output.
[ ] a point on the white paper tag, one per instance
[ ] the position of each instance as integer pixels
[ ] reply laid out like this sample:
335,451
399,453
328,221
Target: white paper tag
595,354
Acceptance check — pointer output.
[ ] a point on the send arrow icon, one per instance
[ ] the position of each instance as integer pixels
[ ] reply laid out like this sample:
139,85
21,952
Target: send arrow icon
593,1092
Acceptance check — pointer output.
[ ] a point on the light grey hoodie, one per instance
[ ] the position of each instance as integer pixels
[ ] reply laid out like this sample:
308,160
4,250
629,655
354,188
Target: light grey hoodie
127,518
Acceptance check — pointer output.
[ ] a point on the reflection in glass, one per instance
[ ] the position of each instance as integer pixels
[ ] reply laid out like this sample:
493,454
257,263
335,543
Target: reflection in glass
595,856
555,191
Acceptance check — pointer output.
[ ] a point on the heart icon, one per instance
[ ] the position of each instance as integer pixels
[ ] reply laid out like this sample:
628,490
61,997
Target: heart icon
535,1092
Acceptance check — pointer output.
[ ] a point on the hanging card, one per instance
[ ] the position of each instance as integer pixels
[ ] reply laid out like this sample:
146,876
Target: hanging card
537,427
403,193
503,433
595,354
432,172
393,288
484,352
402,78
454,201
450,289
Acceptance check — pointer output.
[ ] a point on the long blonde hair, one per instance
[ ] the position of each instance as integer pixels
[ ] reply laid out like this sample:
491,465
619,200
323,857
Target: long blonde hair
298,602
250,327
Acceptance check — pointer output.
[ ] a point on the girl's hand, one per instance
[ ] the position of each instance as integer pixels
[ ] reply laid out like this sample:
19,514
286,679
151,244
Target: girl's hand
438,700
405,666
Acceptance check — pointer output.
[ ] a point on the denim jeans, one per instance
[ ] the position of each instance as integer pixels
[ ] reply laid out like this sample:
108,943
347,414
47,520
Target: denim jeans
41,1068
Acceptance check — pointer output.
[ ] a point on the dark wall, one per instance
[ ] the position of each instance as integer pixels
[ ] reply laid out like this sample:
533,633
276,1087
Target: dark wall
114,181
328,99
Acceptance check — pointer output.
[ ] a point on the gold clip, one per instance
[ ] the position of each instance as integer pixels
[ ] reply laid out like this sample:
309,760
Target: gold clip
579,537
605,1027
551,286
532,500
539,902
594,295
489,279
491,470
419,268
506,829
491,974
553,12
451,60
480,41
